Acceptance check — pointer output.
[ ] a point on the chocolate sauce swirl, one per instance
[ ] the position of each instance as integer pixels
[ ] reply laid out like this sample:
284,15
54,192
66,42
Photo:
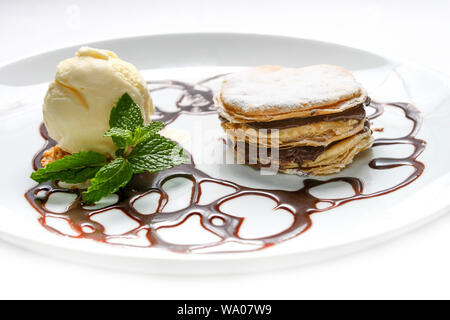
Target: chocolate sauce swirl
197,99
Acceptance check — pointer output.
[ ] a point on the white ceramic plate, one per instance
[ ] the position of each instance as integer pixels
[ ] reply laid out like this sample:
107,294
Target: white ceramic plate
191,58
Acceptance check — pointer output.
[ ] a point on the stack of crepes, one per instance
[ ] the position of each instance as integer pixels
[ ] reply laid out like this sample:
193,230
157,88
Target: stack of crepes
302,121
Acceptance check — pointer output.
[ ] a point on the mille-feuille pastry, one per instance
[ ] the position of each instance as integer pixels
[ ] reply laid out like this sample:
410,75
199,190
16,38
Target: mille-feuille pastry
312,117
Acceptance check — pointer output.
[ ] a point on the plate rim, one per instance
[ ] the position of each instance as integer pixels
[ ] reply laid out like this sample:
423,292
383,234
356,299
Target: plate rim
445,77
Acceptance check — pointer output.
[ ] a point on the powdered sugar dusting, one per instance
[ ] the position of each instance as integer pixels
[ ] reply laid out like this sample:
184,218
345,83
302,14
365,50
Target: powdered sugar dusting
277,87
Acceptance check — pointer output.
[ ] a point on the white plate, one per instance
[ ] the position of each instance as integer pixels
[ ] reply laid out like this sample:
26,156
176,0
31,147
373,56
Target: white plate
191,58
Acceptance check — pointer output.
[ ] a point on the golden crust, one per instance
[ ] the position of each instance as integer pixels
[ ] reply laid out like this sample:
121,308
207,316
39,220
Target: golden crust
313,134
53,154
269,93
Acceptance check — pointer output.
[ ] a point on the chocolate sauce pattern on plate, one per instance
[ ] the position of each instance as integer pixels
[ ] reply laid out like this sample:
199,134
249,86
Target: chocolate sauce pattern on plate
197,99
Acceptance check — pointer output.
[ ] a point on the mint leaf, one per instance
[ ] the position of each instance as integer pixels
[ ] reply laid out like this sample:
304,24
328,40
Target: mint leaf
122,138
142,134
153,127
126,114
156,154
75,168
109,179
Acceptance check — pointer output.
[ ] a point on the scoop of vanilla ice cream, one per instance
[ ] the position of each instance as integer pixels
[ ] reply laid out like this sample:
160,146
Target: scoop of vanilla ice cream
79,101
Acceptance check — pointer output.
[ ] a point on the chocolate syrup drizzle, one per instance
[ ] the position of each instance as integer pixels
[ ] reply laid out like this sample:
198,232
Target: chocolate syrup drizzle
197,99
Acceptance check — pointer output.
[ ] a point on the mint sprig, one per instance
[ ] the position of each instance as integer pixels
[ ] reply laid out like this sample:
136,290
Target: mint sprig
140,149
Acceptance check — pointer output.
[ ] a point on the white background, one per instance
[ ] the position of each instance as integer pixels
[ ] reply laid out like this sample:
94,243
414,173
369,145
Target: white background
416,265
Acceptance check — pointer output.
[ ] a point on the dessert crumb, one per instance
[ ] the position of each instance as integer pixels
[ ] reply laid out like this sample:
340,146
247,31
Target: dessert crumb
378,129
53,154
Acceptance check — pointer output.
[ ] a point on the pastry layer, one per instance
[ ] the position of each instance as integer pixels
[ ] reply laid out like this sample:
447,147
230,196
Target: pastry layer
270,93
312,134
